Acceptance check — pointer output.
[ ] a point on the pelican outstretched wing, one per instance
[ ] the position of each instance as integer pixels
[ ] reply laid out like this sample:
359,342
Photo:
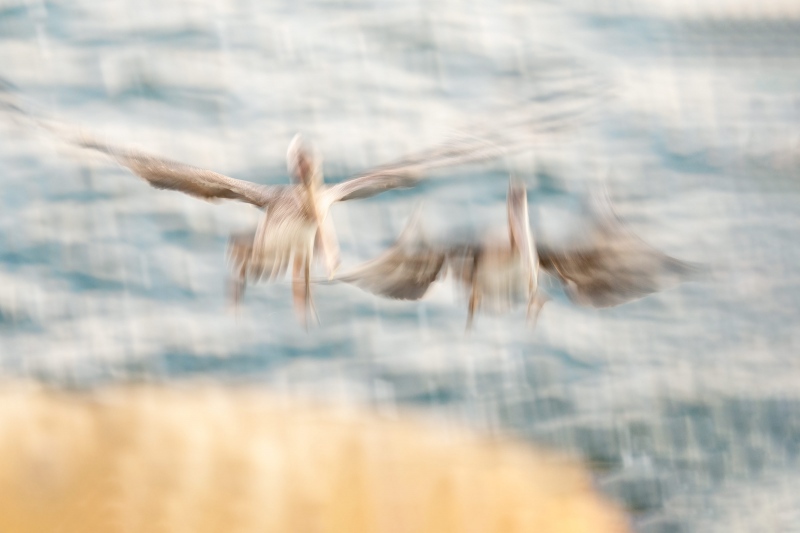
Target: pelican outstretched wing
613,266
166,174
408,172
403,272
373,183
159,172
481,143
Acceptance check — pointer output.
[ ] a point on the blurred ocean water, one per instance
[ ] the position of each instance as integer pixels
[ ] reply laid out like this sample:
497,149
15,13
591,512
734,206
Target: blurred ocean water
686,402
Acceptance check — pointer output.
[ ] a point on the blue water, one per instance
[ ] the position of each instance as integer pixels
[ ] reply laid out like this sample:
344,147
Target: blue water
685,402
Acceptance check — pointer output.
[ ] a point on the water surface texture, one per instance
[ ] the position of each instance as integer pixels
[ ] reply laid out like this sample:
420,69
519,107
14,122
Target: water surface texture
685,402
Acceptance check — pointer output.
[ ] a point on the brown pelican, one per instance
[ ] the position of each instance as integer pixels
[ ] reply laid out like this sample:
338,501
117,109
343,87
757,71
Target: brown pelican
610,267
295,224
495,274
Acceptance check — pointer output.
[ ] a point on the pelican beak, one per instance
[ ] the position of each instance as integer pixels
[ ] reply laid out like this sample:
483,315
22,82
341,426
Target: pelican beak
535,304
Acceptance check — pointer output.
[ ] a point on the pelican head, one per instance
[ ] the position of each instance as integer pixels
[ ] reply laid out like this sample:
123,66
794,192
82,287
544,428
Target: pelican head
304,164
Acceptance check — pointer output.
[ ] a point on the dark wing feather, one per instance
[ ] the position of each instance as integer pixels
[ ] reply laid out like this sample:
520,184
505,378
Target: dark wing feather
160,173
403,272
606,276
398,275
199,182
613,266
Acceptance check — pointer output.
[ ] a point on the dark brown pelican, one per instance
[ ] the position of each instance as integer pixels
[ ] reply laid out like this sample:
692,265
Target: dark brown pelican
495,274
609,267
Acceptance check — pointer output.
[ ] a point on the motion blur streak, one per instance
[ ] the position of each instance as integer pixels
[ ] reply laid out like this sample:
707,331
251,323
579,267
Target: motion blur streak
207,459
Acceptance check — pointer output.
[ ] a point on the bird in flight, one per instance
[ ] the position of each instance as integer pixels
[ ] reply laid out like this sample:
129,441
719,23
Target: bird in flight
495,274
610,267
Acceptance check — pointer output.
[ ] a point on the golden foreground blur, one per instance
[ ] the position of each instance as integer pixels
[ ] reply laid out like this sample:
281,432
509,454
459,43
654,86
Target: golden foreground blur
201,458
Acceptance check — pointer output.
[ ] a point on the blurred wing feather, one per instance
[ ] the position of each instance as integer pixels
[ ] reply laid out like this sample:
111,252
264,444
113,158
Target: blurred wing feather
613,266
408,171
397,275
166,174
403,272
373,183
